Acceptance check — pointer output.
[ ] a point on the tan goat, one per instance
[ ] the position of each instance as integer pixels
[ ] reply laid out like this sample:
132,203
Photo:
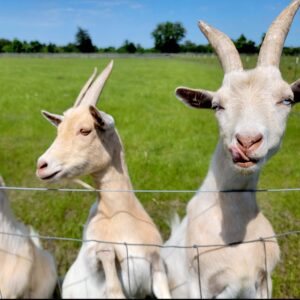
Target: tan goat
26,270
88,143
251,108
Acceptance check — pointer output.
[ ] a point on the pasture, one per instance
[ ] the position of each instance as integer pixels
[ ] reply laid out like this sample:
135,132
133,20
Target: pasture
167,145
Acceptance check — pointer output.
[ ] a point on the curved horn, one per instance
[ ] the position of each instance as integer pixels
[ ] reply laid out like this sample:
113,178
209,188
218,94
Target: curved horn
85,88
92,94
224,47
271,48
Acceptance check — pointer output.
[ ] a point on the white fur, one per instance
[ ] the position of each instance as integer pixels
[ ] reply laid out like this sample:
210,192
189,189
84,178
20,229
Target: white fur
251,103
27,271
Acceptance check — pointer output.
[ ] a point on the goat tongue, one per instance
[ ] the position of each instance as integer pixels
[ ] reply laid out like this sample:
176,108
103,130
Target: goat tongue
238,155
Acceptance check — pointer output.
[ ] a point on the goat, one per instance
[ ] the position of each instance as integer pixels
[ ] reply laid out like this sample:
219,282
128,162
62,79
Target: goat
251,108
88,143
27,271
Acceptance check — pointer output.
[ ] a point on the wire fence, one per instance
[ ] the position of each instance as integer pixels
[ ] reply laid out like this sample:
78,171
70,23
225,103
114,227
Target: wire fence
127,245
44,189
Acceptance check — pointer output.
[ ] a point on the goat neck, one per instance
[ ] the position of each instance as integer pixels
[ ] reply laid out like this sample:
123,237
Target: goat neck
223,177
113,181
8,222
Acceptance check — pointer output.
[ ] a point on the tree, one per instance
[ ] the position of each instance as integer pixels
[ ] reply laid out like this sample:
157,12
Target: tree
4,43
51,48
17,46
35,46
70,47
84,41
245,46
188,46
167,37
127,47
130,47
139,48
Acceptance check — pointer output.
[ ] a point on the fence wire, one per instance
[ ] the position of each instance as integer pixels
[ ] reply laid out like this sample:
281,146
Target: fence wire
262,240
44,189
126,245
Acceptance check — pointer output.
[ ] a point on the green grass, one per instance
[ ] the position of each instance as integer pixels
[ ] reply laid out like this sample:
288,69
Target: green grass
167,145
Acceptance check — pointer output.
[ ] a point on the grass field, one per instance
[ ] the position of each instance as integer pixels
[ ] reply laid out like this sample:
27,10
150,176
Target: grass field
167,145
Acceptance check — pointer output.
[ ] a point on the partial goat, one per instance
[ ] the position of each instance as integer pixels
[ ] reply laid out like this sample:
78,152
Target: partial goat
27,271
87,142
251,108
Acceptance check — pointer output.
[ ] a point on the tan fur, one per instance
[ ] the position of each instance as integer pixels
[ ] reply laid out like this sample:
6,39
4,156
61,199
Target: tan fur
27,271
88,143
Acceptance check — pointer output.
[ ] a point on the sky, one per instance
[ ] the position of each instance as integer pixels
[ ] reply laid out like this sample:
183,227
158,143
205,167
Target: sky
111,22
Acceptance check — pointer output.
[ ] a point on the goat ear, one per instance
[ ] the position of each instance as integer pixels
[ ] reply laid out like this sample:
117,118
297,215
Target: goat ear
296,90
103,120
52,118
194,98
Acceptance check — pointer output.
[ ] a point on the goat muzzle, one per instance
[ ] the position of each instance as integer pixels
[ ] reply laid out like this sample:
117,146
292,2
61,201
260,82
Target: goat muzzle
242,152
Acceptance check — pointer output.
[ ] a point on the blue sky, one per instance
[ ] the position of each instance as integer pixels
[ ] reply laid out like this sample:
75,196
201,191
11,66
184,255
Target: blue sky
110,22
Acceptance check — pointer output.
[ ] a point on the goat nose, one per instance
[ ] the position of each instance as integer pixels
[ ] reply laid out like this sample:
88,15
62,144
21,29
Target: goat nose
249,141
42,164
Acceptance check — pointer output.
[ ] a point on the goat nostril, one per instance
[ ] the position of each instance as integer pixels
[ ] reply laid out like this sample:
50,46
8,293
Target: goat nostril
248,141
258,138
239,139
42,165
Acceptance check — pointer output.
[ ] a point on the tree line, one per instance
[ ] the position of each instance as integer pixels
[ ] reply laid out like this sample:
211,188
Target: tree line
167,37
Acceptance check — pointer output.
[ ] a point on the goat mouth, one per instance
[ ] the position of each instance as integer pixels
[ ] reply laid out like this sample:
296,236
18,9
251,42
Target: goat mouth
51,176
246,164
242,159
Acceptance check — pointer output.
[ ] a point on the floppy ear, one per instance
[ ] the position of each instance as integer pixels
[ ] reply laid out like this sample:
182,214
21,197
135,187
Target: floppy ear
296,90
103,120
194,98
52,118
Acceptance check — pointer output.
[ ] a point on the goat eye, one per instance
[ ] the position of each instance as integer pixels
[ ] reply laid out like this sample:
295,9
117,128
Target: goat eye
287,102
85,132
216,106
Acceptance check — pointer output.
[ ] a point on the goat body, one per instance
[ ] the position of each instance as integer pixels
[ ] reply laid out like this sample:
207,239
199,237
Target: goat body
252,108
88,143
116,218
27,271
236,269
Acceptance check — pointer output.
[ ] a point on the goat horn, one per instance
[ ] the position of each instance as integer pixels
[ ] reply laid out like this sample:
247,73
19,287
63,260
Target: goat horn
85,88
224,47
271,48
93,92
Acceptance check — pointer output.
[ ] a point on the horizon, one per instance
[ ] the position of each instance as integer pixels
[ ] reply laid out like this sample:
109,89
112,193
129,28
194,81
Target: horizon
111,22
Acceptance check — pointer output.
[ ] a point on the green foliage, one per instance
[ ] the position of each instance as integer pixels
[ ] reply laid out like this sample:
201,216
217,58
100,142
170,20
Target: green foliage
167,37
189,46
167,145
51,48
70,47
84,41
127,47
110,49
16,46
35,47
291,50
243,45
4,43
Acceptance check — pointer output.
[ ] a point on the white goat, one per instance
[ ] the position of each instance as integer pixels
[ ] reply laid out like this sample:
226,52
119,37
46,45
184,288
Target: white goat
88,143
251,108
27,271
